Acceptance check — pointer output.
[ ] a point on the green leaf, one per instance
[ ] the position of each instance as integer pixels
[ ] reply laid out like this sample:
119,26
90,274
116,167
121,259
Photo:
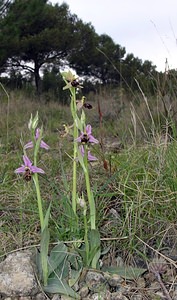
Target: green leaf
94,241
82,253
75,260
38,263
46,219
106,250
68,211
125,272
74,276
44,245
58,286
57,256
78,123
82,120
81,160
76,267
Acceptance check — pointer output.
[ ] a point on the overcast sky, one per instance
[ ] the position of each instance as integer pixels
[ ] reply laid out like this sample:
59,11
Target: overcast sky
146,28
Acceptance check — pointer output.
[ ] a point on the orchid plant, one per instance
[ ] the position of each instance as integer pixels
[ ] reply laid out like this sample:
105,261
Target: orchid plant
30,171
82,154
82,140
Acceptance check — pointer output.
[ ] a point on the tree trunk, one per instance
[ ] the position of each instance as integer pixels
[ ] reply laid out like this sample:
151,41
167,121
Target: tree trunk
37,78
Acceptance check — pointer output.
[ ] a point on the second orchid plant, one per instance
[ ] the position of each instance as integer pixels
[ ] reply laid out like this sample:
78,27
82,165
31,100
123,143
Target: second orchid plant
83,138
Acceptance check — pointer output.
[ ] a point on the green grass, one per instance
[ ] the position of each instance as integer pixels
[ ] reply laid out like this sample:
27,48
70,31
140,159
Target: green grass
135,197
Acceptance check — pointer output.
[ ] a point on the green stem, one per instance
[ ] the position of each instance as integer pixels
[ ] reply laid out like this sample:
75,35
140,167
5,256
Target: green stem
39,200
37,186
75,135
86,237
89,193
74,191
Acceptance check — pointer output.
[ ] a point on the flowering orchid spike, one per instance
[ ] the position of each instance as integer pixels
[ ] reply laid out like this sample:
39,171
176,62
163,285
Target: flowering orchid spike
27,169
42,143
87,137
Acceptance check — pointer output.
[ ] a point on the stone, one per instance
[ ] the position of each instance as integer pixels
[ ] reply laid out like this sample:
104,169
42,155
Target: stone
118,296
115,280
83,292
41,296
17,275
141,283
101,296
95,281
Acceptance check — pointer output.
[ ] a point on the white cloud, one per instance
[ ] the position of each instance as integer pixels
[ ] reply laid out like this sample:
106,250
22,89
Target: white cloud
148,29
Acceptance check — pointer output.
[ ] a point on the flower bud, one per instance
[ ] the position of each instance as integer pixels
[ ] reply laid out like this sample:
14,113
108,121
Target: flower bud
35,121
32,124
81,202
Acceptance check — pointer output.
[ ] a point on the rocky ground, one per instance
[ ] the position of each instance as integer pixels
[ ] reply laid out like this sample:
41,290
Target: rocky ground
18,281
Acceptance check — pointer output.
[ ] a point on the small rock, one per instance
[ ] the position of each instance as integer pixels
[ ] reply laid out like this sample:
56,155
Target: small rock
118,296
140,282
95,281
101,296
84,292
40,296
17,276
115,280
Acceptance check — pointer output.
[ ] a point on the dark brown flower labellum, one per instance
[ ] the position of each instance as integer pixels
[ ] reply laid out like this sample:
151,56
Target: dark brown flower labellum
28,174
74,83
85,139
87,105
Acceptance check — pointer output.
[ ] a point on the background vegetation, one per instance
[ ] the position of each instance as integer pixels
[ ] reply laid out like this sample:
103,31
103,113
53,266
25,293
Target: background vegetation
133,116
